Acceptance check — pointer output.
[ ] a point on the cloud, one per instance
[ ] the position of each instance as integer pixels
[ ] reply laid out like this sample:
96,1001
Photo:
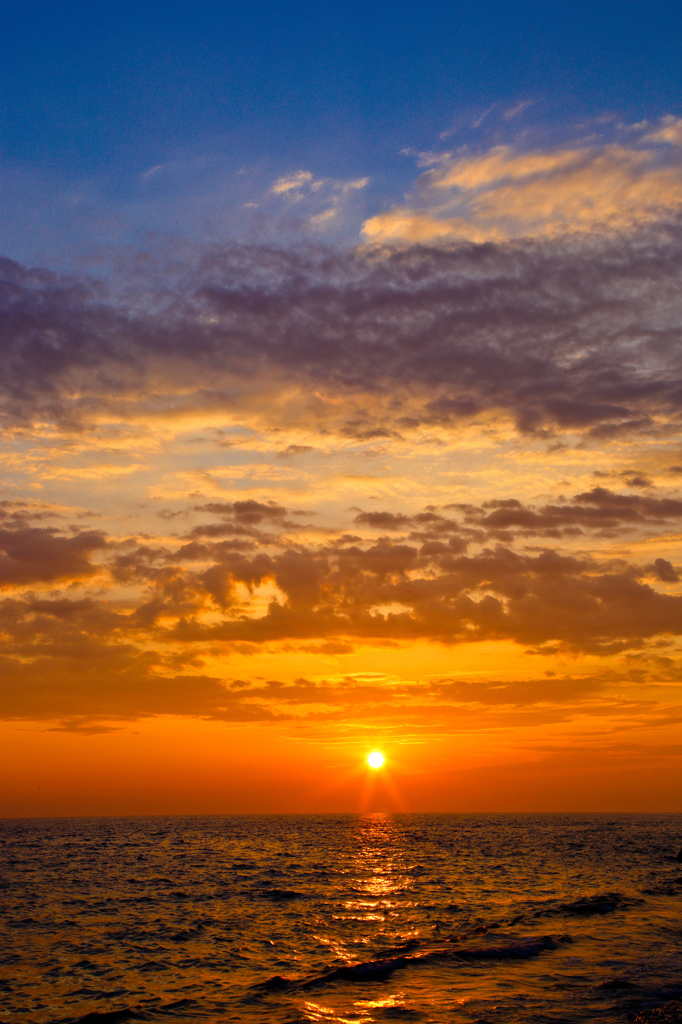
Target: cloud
669,130
448,575
383,520
248,512
320,202
295,449
510,192
425,584
292,183
600,509
443,578
81,662
152,171
556,336
16,513
39,555
125,689
517,109
665,572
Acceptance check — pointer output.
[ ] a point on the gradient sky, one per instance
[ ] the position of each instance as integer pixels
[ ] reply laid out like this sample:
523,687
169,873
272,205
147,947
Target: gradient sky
341,397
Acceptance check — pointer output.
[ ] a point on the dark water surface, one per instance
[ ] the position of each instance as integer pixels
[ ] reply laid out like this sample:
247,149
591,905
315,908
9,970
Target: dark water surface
419,917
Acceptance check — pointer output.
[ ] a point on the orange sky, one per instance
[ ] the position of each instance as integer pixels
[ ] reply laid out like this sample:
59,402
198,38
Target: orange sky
263,509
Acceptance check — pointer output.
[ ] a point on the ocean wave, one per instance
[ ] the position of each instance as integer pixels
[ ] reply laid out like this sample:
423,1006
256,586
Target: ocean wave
377,970
177,1008
280,895
519,950
585,906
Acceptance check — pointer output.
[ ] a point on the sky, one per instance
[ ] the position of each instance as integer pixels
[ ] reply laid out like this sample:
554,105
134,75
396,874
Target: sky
340,399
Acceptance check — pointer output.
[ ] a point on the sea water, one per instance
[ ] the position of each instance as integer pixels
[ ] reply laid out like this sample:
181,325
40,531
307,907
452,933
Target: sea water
349,918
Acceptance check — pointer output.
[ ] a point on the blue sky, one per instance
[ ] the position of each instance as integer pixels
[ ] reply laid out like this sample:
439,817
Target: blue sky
121,119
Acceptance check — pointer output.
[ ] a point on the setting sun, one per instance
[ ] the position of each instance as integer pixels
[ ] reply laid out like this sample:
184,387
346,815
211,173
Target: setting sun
375,759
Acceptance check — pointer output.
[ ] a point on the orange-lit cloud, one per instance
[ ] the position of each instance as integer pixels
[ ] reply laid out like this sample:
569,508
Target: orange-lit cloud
508,192
455,576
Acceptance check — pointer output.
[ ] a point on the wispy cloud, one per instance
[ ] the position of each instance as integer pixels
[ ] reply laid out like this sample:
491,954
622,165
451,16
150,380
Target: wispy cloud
319,201
294,182
517,109
511,192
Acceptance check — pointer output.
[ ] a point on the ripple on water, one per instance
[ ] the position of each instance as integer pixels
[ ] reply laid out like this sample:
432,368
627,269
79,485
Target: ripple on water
500,918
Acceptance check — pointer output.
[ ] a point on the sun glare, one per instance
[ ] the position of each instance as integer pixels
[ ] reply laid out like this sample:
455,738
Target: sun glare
375,759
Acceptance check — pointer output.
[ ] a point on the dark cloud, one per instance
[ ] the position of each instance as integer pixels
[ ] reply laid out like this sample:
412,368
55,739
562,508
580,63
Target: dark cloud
560,334
600,509
250,512
245,519
294,449
520,693
383,520
15,514
63,688
634,479
398,592
665,571
450,575
34,555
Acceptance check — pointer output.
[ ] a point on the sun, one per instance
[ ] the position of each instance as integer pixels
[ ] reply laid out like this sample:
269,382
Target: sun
375,759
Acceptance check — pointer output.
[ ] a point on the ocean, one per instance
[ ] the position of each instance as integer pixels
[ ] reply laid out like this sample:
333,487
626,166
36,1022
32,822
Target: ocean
292,919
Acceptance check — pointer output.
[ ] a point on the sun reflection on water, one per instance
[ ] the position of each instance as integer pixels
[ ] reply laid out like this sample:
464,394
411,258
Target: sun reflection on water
317,1012
377,888
378,864
361,1012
